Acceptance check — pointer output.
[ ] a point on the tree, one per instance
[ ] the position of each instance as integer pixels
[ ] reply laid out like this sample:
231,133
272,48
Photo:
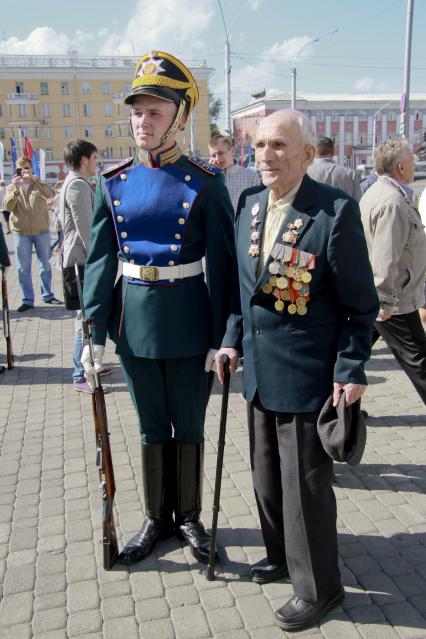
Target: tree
215,108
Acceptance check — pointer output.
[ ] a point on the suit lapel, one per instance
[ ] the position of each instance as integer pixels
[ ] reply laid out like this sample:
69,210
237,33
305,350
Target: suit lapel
299,210
260,205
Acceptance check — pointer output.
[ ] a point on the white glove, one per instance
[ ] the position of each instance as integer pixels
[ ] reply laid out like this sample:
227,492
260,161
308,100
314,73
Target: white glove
210,364
98,354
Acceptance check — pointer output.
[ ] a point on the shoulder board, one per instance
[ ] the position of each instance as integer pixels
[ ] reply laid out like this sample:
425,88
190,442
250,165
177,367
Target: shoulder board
113,170
205,166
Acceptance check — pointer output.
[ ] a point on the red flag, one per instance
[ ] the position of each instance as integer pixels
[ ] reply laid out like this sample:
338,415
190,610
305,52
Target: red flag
28,148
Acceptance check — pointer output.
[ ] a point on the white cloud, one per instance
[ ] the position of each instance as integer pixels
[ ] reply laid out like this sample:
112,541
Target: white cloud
168,25
42,40
365,84
289,48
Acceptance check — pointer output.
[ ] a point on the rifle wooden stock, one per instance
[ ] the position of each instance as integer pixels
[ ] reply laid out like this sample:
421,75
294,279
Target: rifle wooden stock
103,448
106,477
6,321
219,466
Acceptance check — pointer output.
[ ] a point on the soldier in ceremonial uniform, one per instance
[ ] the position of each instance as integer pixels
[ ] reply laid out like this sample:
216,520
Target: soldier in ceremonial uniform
159,214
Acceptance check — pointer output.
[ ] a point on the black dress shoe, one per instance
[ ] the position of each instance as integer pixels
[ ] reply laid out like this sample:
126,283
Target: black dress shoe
2,369
298,614
54,301
195,535
24,307
142,544
265,572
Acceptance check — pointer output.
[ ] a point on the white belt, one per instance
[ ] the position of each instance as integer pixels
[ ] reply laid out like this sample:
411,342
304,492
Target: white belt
154,273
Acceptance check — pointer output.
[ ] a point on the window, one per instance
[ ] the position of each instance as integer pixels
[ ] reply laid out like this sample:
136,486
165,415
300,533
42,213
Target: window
320,117
335,117
65,88
349,117
22,110
127,87
47,133
132,150
129,131
107,108
106,89
88,132
108,132
109,152
68,132
118,109
85,88
45,109
49,154
348,138
361,139
2,134
19,87
24,131
66,110
87,110
44,88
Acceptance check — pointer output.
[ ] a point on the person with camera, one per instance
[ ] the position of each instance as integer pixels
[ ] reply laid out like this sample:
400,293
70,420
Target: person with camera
26,199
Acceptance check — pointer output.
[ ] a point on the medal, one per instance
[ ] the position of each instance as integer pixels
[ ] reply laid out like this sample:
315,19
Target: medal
297,285
273,268
267,288
255,208
285,295
302,310
306,277
279,305
298,275
290,271
282,282
292,309
301,301
273,281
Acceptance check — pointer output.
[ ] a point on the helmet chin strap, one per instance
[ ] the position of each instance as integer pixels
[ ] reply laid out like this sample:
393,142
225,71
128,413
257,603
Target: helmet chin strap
172,129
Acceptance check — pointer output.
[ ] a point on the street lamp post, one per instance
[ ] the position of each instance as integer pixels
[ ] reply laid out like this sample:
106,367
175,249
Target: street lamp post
374,128
228,122
293,67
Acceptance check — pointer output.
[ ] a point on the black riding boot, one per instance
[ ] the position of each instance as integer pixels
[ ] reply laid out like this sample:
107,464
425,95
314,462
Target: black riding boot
158,487
188,500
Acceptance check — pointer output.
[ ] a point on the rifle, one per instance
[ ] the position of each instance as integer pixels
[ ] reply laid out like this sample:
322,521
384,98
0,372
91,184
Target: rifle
103,448
6,319
219,466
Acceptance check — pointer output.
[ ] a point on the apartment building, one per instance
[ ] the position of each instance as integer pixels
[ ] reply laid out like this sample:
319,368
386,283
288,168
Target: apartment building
352,121
52,99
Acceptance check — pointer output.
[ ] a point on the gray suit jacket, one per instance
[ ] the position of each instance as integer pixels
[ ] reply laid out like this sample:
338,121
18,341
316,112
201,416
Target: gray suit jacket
75,212
325,170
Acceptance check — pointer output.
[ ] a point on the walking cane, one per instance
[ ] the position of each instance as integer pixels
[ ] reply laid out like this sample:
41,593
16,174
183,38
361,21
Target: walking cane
219,465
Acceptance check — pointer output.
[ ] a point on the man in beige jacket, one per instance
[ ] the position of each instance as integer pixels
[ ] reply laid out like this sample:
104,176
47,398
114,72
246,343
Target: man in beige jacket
397,247
26,199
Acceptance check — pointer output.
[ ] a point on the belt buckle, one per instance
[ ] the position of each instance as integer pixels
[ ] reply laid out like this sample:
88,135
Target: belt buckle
149,273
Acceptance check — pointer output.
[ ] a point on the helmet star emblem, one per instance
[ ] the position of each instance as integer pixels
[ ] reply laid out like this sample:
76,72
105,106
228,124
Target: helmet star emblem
150,67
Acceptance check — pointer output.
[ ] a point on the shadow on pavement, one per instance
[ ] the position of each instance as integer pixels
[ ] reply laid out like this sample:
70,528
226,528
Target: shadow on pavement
398,478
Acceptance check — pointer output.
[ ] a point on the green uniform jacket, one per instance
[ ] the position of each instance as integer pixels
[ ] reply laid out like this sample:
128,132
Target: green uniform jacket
182,319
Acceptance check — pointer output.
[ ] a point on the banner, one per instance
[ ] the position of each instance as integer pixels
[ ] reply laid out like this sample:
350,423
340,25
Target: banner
14,154
35,163
42,165
28,148
1,161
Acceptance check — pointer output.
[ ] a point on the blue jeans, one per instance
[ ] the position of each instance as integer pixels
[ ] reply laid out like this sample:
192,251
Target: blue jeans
78,374
23,254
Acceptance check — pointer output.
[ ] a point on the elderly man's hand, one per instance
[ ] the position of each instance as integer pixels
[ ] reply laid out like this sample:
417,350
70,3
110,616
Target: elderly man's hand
233,361
352,392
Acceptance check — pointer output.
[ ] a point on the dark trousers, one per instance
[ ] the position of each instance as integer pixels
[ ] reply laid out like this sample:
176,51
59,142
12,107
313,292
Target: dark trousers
405,336
296,503
170,396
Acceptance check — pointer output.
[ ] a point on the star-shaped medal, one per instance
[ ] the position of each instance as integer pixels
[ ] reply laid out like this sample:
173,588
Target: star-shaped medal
290,237
255,208
297,224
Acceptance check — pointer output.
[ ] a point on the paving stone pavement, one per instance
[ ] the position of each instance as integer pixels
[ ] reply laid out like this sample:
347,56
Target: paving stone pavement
51,577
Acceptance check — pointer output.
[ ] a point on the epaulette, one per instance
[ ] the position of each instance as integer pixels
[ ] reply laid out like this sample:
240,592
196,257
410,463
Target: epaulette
205,166
113,170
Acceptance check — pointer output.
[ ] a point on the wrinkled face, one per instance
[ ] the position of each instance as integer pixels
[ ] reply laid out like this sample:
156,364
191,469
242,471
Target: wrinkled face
221,156
150,118
280,154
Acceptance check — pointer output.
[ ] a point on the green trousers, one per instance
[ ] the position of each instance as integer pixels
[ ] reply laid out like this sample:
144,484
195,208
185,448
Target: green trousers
170,396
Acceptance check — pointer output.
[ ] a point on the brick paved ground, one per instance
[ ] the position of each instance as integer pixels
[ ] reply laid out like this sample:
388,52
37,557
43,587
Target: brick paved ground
53,585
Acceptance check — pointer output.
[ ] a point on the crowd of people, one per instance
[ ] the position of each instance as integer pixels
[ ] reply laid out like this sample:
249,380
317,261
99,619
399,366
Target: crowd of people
275,265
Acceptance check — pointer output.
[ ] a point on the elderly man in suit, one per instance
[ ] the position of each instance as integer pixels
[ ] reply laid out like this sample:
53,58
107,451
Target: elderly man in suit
308,304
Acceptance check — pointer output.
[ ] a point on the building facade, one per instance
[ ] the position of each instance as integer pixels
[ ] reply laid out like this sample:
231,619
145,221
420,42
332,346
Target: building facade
352,121
52,99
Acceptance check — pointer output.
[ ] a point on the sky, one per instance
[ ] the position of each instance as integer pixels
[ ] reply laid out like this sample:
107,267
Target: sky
364,56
